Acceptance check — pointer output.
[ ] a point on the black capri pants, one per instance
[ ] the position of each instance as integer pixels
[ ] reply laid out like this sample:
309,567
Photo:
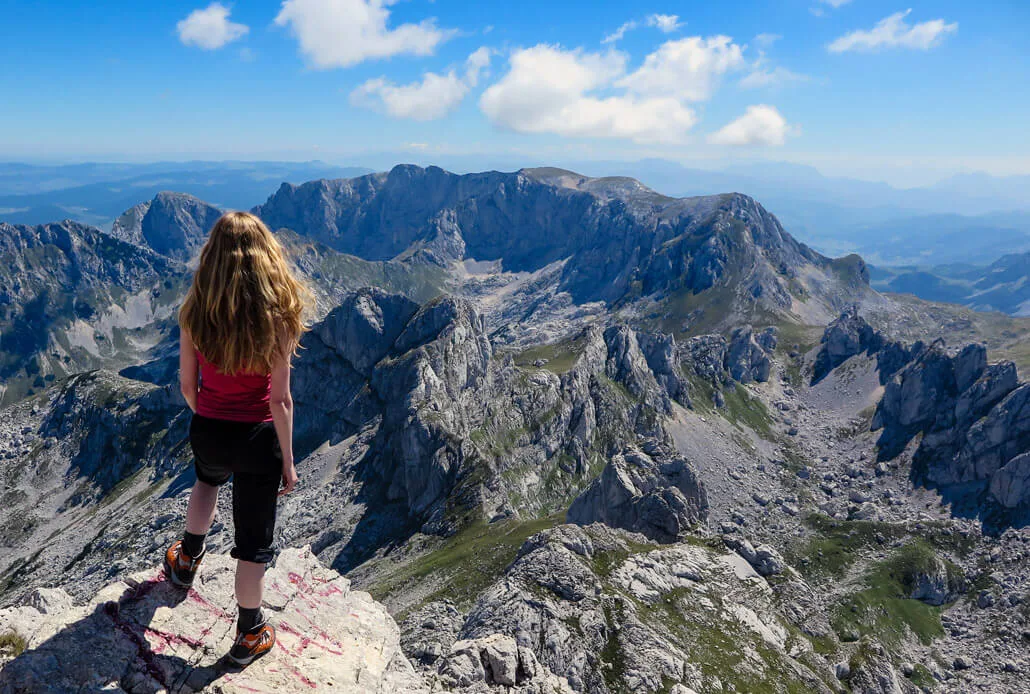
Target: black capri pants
249,454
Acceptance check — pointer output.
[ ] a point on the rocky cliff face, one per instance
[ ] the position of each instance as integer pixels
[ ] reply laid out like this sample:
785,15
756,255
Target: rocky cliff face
972,419
172,224
452,428
616,240
73,298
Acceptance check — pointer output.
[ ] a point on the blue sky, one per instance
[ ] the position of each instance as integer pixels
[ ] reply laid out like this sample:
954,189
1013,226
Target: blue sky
904,91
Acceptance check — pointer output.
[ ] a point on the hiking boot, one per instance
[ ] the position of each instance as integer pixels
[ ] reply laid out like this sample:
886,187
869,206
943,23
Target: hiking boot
180,568
251,645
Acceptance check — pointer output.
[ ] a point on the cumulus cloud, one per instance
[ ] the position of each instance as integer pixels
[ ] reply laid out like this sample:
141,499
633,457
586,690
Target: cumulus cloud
688,68
342,33
760,125
894,32
552,90
209,28
433,97
666,23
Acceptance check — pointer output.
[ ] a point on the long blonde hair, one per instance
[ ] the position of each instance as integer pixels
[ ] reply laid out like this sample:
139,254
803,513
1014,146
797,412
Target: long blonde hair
244,308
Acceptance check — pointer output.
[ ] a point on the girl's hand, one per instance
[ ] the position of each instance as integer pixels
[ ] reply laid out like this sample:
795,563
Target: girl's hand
289,479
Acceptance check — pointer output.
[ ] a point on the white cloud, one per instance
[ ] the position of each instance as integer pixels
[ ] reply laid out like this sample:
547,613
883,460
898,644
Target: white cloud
771,77
433,97
760,125
835,4
666,23
209,28
687,68
893,32
620,32
551,90
342,33
767,40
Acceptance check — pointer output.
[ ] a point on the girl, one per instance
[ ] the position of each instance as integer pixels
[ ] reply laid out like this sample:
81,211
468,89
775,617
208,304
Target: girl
240,325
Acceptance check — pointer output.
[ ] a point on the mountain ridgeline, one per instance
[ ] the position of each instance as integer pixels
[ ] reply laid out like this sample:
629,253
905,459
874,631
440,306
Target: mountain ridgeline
619,238
570,434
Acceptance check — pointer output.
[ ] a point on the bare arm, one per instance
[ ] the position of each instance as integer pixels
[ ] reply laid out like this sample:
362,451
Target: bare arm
281,404
188,370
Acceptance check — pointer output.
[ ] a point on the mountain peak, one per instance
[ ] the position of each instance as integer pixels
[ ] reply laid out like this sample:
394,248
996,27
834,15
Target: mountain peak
605,186
173,224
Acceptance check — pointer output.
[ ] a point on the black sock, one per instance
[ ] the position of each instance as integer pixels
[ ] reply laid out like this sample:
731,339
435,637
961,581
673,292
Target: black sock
192,545
250,618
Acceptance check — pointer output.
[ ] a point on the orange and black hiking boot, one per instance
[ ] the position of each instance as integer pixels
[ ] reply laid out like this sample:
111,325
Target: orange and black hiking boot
180,568
251,645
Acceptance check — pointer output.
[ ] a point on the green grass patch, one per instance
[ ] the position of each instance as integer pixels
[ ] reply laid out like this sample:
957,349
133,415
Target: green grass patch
560,356
467,562
721,646
745,410
922,677
836,545
13,643
612,659
604,562
702,393
883,609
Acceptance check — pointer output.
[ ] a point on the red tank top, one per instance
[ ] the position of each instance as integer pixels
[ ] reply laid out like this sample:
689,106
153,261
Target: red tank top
239,398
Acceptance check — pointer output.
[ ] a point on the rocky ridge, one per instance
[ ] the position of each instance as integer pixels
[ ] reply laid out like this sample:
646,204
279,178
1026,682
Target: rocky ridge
112,300
172,224
971,418
594,228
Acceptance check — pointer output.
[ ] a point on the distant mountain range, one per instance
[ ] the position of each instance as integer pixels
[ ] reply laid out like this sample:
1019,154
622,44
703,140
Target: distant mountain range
97,193
1004,285
966,218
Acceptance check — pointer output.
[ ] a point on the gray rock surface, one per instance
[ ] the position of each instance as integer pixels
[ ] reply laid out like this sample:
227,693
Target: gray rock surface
145,635
974,419
656,495
172,224
746,359
1010,485
535,217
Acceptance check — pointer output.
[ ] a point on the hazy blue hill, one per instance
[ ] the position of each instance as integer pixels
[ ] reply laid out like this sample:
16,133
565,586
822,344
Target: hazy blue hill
938,239
1004,285
97,193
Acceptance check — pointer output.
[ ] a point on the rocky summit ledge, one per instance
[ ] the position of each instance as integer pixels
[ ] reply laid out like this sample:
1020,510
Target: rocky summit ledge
145,635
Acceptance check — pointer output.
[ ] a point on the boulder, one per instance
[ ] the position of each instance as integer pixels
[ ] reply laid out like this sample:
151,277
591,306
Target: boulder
746,359
872,672
660,497
845,337
1010,485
